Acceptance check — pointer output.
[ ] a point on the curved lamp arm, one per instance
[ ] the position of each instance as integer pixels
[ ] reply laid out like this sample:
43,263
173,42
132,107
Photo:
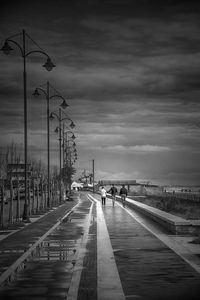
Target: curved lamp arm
36,93
7,49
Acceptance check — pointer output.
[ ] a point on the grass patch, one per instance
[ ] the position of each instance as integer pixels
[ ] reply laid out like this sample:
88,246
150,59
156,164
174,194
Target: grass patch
183,208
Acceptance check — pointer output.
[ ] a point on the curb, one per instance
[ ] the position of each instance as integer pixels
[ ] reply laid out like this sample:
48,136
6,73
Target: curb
12,231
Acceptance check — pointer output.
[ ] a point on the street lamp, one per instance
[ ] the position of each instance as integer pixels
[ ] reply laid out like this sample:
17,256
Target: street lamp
65,139
6,49
46,92
59,129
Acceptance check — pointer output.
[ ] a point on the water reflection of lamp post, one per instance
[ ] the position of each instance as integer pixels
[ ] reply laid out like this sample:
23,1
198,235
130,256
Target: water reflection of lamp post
46,92
48,66
58,130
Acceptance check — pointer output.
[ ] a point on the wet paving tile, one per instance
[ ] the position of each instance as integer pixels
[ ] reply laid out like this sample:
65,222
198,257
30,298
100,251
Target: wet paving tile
147,268
48,272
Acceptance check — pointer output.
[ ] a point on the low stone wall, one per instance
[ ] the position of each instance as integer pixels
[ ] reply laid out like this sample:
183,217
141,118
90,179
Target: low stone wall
174,224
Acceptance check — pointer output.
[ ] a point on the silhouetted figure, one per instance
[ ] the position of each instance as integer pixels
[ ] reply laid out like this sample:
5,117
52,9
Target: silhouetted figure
113,191
123,193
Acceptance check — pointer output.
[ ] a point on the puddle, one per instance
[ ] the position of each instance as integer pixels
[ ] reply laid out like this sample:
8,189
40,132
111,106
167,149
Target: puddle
53,250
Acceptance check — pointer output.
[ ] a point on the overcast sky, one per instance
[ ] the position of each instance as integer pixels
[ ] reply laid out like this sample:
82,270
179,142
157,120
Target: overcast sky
130,71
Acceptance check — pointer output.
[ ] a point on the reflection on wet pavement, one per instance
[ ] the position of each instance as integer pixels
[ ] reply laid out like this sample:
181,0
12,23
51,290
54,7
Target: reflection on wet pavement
48,272
56,250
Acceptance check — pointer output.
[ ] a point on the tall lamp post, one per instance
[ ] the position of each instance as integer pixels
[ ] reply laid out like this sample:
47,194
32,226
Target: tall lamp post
48,66
59,129
46,92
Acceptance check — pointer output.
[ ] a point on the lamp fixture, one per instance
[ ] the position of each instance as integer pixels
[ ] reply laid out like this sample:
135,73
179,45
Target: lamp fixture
48,64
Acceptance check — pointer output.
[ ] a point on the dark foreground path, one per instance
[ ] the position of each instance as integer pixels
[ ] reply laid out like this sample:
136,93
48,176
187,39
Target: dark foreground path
12,247
105,254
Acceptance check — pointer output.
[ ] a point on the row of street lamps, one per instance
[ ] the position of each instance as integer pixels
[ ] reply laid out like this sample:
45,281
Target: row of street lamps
59,130
48,65
46,91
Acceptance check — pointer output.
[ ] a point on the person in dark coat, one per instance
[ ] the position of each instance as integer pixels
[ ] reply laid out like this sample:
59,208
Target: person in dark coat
123,193
113,191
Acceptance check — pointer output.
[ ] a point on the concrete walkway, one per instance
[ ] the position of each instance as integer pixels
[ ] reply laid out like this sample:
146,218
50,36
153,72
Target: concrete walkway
17,244
151,263
102,253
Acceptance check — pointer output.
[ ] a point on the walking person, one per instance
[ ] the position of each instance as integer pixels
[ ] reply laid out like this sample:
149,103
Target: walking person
103,196
113,191
123,193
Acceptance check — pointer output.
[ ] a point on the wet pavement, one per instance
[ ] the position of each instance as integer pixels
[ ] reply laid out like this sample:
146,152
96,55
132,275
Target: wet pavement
96,253
54,270
12,247
147,267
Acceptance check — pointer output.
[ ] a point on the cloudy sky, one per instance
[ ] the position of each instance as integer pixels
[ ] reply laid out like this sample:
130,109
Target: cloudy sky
130,71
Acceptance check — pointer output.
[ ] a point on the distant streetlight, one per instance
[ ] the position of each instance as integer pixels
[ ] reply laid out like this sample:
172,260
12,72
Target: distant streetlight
46,92
69,153
65,138
58,130
6,49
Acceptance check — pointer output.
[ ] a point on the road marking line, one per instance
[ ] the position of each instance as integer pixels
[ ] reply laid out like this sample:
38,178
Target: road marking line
109,285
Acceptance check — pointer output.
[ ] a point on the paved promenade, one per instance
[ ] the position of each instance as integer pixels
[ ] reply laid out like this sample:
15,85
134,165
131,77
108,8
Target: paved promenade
95,252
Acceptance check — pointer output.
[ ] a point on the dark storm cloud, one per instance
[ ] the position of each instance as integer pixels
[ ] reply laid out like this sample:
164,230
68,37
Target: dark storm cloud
113,67
117,43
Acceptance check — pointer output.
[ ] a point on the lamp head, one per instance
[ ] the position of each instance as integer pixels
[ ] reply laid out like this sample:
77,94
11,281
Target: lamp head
48,64
51,117
6,48
36,93
72,125
64,104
